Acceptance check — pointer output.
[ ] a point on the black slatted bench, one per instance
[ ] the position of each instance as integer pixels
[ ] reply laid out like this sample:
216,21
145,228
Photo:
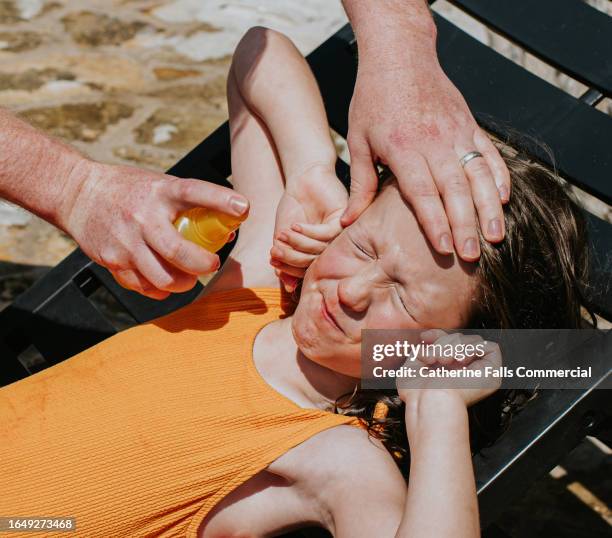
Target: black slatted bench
56,318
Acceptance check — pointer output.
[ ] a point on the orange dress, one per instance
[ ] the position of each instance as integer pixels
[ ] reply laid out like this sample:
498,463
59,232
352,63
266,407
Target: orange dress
142,434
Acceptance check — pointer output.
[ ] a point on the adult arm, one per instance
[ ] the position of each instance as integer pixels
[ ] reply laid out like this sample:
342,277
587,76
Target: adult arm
121,216
406,113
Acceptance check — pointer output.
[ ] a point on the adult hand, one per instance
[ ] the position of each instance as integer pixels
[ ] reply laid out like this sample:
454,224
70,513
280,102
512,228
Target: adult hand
307,219
122,218
406,113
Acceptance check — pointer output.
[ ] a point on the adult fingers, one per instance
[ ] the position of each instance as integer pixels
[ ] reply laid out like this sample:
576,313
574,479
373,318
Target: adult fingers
133,280
364,181
486,199
456,193
183,254
188,193
417,186
496,163
485,196
159,273
301,242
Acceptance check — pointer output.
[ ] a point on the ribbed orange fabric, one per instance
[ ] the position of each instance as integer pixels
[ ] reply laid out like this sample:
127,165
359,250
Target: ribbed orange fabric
144,433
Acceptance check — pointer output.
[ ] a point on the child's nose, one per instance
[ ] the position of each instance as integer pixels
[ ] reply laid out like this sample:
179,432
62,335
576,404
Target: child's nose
354,291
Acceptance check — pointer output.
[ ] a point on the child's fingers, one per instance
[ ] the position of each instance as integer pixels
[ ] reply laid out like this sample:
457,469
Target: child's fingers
301,242
449,349
429,336
468,355
288,255
289,269
322,232
289,282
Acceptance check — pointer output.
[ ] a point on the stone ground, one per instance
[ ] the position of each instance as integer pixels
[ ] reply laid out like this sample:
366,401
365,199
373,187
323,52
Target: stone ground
143,81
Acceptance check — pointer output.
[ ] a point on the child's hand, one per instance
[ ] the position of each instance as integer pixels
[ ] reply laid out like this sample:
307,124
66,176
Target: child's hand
468,391
307,220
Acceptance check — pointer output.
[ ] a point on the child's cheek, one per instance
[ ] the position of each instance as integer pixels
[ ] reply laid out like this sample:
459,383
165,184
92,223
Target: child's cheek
386,315
334,262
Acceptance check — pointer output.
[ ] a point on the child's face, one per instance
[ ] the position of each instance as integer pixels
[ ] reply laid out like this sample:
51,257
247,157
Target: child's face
379,273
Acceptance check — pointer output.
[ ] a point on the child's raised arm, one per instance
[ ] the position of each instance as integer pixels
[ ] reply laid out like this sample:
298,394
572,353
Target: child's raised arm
278,87
276,83
283,161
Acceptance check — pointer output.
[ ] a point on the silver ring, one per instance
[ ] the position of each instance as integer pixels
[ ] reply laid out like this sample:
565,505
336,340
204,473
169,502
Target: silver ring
469,156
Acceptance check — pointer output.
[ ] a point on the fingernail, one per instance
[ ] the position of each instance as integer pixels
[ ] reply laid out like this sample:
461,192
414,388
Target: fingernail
296,228
446,243
282,236
503,193
495,229
470,248
238,205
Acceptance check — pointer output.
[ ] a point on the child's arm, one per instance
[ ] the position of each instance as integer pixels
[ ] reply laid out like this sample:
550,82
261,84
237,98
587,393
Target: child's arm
278,86
279,137
441,498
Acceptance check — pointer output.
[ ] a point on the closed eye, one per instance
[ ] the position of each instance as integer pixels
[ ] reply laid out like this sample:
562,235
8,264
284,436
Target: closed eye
403,303
361,249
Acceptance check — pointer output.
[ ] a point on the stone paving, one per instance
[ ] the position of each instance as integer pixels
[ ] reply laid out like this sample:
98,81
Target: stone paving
143,81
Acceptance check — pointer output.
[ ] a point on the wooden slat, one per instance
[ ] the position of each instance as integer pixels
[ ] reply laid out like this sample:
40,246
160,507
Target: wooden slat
570,35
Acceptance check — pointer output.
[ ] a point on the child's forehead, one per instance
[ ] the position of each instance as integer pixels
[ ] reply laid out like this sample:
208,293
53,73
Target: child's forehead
391,213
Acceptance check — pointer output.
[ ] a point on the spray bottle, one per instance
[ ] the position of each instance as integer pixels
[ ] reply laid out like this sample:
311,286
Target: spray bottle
208,228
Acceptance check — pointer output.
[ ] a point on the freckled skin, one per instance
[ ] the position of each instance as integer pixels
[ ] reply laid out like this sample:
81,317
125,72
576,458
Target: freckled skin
402,138
362,293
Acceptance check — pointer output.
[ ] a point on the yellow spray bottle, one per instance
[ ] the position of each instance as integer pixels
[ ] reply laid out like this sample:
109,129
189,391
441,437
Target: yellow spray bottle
208,228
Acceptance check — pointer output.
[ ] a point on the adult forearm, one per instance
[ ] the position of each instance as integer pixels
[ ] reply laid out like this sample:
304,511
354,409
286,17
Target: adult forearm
390,30
441,497
35,169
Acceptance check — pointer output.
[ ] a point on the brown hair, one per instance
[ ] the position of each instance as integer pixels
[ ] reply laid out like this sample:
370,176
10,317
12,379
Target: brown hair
535,278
